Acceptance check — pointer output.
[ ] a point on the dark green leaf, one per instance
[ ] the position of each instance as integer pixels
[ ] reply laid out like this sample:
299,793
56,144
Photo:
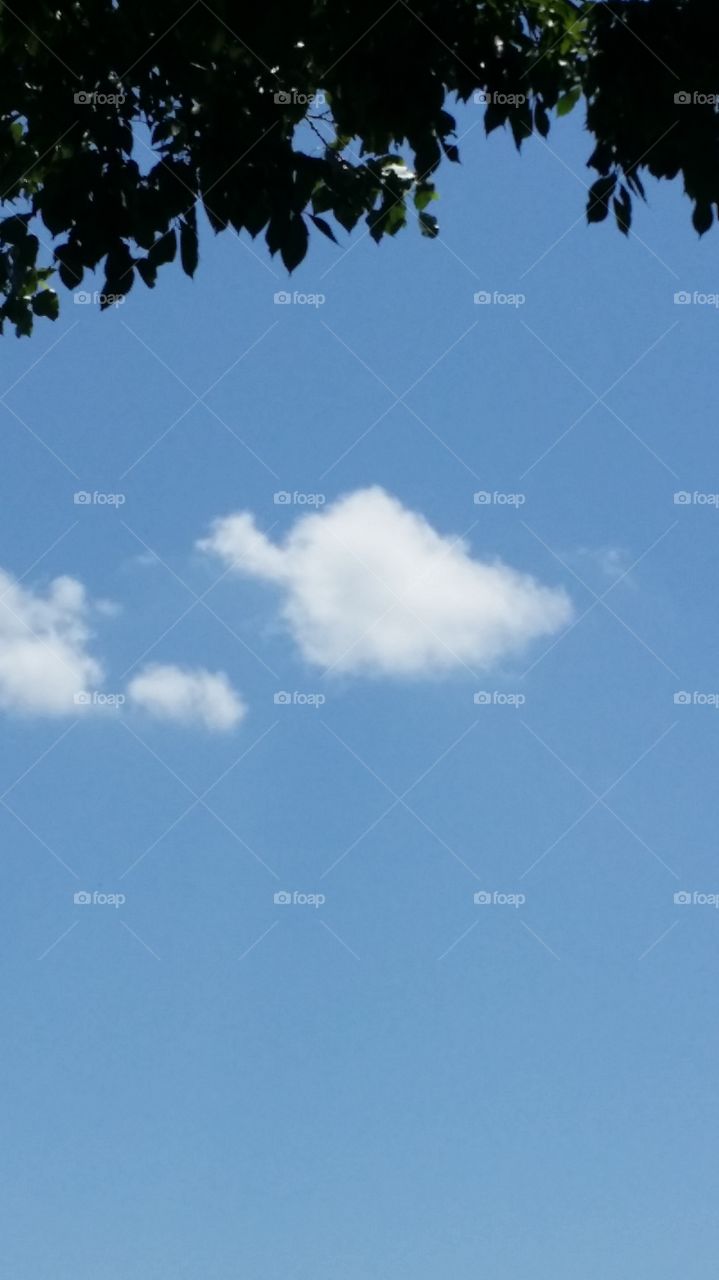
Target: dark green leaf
429,225
541,119
188,244
703,216
324,227
164,249
346,216
424,195
623,210
599,196
13,230
294,244
70,265
147,272
568,101
119,275
46,303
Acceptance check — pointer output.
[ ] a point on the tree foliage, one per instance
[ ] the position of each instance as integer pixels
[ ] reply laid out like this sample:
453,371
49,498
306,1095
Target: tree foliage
119,117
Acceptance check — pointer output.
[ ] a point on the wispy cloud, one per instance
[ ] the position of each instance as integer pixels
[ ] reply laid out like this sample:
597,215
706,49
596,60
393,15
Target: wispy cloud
45,660
189,696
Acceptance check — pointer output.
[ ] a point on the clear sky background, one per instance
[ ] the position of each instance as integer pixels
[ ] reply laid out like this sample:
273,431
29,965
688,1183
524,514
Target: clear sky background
400,1082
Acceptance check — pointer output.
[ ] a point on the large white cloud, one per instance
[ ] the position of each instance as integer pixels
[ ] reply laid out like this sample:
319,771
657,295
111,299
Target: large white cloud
188,696
44,657
369,586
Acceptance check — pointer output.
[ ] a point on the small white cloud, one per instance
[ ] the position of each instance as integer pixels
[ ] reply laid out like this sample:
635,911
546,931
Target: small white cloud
44,659
612,562
187,696
369,586
108,608
146,559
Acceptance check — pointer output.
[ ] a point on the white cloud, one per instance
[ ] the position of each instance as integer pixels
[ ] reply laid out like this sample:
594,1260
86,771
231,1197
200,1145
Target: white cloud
187,696
46,667
612,562
44,659
369,586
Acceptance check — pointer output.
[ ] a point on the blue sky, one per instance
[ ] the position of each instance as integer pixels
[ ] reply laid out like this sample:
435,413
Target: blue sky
382,1076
